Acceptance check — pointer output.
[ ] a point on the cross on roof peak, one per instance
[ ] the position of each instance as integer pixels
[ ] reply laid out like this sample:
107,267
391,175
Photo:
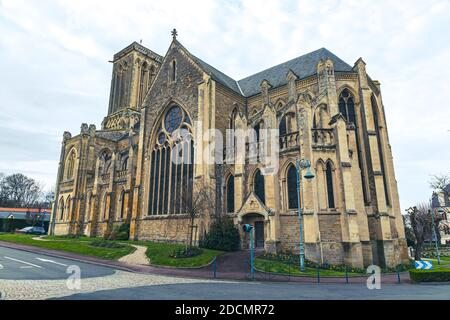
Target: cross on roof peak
174,34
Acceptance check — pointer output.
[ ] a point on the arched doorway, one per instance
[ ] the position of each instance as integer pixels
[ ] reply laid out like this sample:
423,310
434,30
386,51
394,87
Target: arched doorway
258,222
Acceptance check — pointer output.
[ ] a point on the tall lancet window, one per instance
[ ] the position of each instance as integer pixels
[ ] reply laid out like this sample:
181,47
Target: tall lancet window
347,106
70,165
292,194
172,164
230,194
142,82
259,186
330,186
173,72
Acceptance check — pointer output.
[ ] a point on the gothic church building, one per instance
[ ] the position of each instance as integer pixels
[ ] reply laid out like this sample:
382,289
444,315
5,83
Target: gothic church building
325,110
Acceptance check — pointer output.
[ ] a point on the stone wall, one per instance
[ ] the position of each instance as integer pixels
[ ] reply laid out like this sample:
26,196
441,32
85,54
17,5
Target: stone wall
165,229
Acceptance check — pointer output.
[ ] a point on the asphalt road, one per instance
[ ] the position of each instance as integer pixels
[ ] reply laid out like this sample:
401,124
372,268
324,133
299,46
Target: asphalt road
22,265
271,291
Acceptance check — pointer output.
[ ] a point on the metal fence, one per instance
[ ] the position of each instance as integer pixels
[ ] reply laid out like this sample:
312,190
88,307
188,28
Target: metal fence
269,272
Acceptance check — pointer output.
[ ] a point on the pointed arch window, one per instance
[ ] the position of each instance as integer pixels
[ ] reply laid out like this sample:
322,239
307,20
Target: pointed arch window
61,209
142,82
70,165
287,124
230,194
173,72
347,106
105,162
105,206
123,204
259,186
68,213
292,194
330,186
172,165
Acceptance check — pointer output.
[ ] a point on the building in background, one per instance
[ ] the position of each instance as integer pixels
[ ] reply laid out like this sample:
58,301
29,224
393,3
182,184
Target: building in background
442,200
12,219
325,110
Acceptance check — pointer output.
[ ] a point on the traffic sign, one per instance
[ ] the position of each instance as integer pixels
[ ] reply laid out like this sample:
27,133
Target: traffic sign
424,265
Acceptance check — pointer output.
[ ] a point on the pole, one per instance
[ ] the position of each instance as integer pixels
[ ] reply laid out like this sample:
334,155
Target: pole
434,232
300,219
252,255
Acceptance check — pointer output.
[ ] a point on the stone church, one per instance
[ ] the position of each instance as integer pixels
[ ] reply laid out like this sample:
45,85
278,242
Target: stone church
325,110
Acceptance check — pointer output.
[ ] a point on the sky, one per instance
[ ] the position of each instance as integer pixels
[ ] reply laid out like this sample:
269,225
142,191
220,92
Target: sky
55,72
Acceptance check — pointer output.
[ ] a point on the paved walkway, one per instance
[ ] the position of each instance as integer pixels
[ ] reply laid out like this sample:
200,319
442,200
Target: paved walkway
47,289
138,257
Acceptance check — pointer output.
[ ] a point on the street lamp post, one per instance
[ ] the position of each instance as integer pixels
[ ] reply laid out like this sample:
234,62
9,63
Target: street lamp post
302,164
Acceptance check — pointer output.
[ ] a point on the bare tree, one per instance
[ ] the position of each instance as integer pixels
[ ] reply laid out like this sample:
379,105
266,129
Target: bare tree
422,227
202,202
20,191
438,182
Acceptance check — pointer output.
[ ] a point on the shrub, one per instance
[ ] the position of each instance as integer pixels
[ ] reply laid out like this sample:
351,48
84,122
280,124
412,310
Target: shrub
430,275
107,244
188,252
121,232
223,235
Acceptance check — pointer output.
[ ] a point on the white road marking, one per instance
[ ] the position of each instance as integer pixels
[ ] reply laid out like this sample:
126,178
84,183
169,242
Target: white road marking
51,261
24,262
26,267
1,267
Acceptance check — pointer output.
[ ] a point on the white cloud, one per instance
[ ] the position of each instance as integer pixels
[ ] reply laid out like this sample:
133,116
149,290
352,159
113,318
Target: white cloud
55,75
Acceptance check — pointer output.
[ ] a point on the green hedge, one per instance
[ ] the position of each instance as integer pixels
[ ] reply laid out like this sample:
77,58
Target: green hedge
223,235
430,275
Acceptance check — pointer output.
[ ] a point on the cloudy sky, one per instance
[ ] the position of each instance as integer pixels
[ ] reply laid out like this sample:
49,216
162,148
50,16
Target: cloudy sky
54,70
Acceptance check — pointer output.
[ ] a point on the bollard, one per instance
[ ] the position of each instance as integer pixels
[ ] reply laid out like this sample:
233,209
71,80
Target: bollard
289,278
346,275
398,277
318,274
215,268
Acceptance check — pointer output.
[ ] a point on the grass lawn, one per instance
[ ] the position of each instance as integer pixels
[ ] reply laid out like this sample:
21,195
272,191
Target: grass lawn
445,264
79,246
159,255
284,268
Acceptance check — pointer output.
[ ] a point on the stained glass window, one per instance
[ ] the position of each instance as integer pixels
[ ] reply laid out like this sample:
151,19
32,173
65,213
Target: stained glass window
171,170
162,138
173,119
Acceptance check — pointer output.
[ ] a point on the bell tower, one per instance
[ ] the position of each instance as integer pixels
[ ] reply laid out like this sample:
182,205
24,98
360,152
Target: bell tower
134,69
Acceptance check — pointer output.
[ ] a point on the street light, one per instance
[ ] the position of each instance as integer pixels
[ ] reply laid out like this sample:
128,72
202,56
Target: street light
302,164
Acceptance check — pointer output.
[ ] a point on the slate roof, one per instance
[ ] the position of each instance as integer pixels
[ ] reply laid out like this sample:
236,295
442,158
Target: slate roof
303,66
218,76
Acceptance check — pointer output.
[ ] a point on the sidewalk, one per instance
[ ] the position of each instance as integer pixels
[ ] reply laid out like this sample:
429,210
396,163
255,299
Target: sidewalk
230,266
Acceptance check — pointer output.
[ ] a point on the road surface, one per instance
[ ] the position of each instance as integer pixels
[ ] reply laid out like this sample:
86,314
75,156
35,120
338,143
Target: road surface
270,291
25,275
22,265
